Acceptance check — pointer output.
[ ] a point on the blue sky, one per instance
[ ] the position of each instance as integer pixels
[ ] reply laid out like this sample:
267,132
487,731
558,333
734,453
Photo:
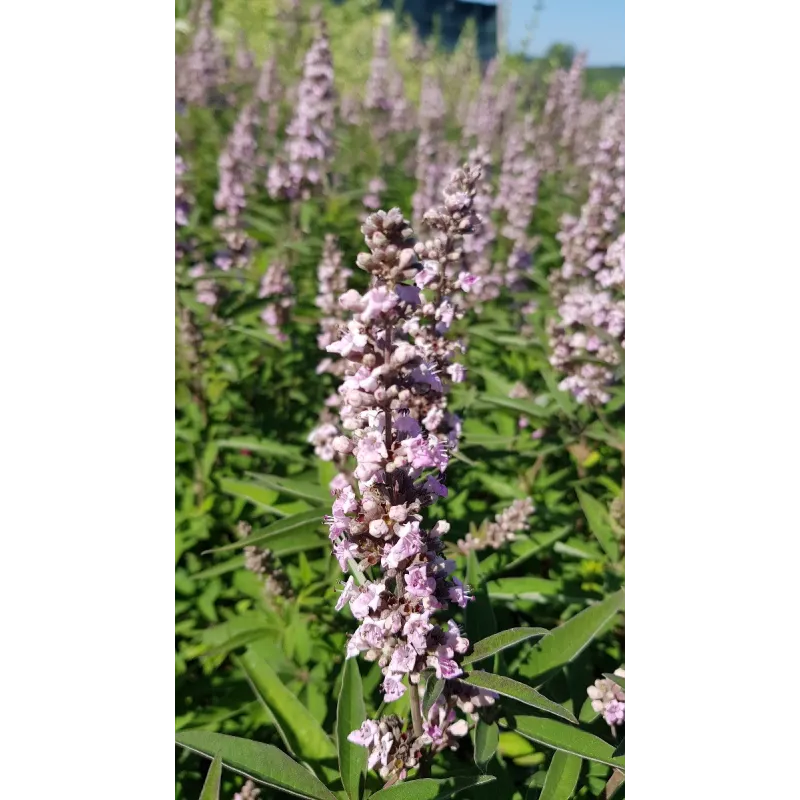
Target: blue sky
594,25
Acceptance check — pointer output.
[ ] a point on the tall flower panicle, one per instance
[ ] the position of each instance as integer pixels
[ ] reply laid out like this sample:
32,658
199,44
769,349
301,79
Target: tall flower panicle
268,93
202,73
309,135
429,172
183,201
588,337
276,285
392,360
372,199
478,247
264,565
377,95
517,197
237,173
608,699
332,277
244,61
505,527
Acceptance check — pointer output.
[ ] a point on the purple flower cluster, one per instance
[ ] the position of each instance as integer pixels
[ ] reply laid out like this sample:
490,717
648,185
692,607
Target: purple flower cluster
237,174
608,699
202,73
268,94
429,172
309,135
588,338
392,346
478,247
505,527
182,201
277,285
517,196
378,95
332,279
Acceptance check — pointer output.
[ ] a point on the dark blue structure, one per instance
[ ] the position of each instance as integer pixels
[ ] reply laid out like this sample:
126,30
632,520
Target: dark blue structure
452,16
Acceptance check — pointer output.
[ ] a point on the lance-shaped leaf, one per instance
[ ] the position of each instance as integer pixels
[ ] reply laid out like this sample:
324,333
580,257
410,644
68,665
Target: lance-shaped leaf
212,781
301,732
306,491
618,679
430,788
480,621
433,690
524,588
562,777
277,449
566,641
261,762
597,517
279,532
558,736
500,641
350,713
487,737
508,687
262,496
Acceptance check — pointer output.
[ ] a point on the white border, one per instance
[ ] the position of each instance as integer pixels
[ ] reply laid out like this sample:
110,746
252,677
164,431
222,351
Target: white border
86,399
712,433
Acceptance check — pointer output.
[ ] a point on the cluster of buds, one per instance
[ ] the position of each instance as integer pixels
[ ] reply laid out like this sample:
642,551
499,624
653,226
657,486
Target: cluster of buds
276,285
263,564
249,791
505,527
608,699
309,135
395,353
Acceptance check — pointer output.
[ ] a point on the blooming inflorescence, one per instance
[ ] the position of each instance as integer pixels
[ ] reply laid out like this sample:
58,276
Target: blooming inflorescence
309,136
398,367
608,699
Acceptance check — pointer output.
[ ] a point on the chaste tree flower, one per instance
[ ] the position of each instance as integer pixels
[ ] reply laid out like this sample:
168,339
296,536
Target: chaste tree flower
309,135
588,338
396,356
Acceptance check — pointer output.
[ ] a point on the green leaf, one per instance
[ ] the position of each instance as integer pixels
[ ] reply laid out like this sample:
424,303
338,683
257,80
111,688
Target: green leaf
261,762
568,640
597,517
301,732
529,408
294,488
480,621
274,533
433,690
350,713
224,567
508,687
212,781
569,739
499,641
526,549
618,679
258,495
487,737
562,777
286,451
619,750
523,588
430,788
